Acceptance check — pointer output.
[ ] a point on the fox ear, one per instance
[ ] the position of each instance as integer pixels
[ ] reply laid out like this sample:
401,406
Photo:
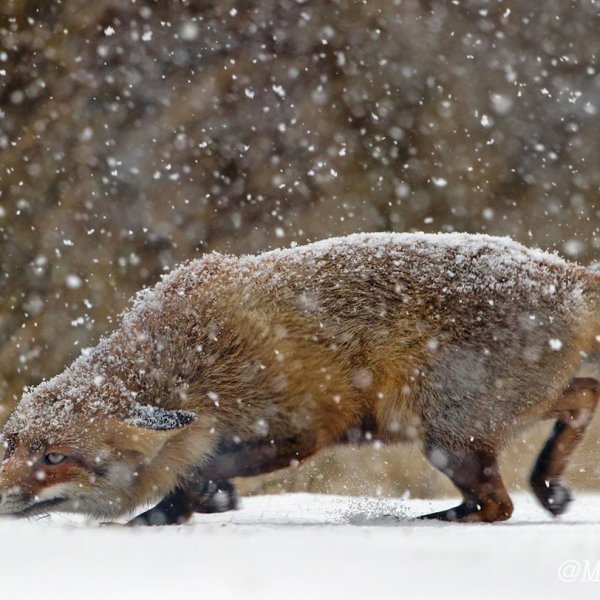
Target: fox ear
155,418
146,430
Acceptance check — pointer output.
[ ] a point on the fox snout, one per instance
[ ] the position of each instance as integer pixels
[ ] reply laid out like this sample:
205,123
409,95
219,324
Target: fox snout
28,498
13,500
18,504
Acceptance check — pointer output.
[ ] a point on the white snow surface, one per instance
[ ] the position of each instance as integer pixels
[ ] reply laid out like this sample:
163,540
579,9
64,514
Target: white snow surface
307,546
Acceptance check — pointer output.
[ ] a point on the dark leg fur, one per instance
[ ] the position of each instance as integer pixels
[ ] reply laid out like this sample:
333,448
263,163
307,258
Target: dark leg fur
211,491
204,496
475,473
575,411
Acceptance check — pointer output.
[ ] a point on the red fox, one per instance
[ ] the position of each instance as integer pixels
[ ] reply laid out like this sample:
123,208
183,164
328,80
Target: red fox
234,366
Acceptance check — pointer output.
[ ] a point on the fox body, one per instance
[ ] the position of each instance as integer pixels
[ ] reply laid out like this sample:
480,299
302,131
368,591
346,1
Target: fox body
233,366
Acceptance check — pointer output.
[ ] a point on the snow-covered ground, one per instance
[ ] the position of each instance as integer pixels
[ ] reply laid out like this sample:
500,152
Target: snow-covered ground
309,546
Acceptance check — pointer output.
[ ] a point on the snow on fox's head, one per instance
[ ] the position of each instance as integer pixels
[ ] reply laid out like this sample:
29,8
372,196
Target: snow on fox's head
66,449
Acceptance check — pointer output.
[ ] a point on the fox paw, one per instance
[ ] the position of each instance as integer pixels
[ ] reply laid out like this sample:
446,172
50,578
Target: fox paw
554,496
217,496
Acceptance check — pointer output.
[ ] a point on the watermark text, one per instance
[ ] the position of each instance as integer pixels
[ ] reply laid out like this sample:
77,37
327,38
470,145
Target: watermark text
583,571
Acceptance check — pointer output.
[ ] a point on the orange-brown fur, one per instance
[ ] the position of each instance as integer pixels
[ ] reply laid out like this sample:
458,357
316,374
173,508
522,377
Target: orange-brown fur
281,355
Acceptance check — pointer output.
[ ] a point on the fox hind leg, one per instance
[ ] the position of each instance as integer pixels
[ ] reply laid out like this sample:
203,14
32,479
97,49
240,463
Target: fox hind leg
575,411
475,473
202,496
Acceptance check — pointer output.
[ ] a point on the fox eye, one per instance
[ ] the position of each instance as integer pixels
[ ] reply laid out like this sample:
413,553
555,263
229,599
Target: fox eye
54,458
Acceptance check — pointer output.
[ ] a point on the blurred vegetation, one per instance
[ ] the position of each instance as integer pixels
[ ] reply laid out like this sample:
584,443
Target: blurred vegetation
136,134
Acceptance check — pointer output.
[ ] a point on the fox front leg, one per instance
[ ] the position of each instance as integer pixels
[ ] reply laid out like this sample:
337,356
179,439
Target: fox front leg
203,496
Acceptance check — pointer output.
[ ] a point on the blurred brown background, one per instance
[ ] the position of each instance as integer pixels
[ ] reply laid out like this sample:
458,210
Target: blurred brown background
134,135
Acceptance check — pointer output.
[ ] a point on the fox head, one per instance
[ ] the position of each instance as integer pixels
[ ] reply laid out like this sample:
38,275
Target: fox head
102,465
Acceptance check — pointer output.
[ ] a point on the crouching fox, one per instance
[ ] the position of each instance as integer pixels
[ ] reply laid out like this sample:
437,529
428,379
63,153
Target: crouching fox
234,366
